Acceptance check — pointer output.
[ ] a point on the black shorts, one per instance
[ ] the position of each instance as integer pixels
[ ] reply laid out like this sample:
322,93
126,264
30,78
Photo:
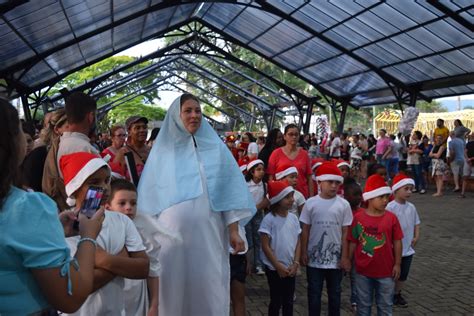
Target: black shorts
238,267
405,267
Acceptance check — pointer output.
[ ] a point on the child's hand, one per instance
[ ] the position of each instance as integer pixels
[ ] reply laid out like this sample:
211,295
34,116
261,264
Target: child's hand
346,264
282,271
292,269
90,227
413,242
236,242
304,257
396,272
67,219
152,311
265,202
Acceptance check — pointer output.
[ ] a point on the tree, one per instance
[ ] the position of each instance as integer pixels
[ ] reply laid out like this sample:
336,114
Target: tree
140,105
430,107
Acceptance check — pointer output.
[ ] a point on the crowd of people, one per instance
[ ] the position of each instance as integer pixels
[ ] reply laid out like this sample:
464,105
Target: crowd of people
180,219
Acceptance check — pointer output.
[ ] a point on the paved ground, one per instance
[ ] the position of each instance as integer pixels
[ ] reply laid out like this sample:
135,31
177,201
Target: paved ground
441,280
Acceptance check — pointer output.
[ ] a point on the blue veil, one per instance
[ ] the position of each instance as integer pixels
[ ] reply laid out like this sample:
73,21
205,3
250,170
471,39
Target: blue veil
172,173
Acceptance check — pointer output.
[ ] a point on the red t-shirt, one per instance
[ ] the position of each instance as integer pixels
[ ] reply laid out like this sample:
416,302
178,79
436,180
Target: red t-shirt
301,162
374,236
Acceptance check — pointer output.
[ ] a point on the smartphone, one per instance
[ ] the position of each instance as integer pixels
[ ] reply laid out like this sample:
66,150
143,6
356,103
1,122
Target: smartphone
92,201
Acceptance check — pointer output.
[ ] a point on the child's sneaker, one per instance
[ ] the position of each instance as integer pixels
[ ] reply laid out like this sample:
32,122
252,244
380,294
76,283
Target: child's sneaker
399,301
260,270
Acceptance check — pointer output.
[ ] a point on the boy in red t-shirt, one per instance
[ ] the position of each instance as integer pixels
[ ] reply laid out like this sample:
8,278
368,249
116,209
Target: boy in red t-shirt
375,242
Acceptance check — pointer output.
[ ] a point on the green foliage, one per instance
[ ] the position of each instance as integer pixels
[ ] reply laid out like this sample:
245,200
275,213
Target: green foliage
140,105
120,114
430,107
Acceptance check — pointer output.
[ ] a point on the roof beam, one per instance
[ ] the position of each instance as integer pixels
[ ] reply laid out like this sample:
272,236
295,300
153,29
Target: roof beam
453,15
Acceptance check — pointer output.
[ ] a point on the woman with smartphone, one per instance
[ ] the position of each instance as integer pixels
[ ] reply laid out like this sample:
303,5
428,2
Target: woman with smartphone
192,185
37,273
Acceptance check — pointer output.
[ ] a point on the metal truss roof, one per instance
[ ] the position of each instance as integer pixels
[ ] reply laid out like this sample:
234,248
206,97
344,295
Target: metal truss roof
361,52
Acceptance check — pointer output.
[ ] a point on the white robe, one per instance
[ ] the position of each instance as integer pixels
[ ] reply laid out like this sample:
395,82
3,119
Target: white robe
195,278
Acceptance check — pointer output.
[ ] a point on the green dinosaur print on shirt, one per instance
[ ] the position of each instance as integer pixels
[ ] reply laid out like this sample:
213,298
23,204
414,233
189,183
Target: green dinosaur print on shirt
369,242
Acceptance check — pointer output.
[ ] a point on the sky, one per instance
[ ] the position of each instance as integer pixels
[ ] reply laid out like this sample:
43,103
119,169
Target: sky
167,97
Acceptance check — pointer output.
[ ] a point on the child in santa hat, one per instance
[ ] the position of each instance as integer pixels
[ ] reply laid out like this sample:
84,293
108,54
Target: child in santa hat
258,188
120,252
353,195
279,232
141,296
407,215
325,218
290,174
375,242
315,163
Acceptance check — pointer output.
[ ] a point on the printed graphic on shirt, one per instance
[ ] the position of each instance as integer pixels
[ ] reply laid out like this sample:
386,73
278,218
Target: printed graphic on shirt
369,238
325,253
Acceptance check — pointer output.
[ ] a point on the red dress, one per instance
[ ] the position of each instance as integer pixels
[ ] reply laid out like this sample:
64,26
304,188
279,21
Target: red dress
301,162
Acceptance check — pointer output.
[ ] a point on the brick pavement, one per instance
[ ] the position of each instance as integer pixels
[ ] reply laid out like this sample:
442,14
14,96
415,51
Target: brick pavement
441,280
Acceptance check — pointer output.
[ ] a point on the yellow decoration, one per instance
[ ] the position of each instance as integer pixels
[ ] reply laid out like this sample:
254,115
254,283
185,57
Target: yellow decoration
426,122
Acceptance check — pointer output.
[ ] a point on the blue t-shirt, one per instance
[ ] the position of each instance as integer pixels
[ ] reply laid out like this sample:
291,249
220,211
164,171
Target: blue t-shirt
31,237
457,145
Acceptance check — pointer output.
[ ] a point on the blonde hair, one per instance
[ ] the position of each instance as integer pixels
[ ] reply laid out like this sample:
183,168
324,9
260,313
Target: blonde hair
58,119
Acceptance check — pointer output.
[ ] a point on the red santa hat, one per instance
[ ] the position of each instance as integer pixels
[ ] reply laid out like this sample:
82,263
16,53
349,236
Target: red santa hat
401,180
277,190
340,163
375,186
253,163
316,162
328,171
242,165
284,170
76,168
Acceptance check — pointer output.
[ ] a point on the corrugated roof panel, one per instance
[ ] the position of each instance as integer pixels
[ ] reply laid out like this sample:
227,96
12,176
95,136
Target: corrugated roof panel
66,59
12,48
124,8
44,28
333,68
128,33
280,37
87,16
39,72
311,51
97,45
246,31
361,82
219,14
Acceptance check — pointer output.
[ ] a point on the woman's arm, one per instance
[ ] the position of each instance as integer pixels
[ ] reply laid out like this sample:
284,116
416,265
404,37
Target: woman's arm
135,265
54,284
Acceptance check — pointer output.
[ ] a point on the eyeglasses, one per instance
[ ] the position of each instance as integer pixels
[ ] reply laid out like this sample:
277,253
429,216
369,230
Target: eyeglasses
121,135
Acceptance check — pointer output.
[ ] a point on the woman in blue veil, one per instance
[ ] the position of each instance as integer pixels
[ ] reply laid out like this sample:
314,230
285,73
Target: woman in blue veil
192,185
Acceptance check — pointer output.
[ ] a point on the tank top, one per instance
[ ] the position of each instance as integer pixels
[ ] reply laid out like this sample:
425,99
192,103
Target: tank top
443,155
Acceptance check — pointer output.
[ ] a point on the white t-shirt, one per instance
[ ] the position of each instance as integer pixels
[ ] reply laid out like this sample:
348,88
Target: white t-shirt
299,200
284,233
408,218
257,190
252,149
326,217
396,147
336,147
117,231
